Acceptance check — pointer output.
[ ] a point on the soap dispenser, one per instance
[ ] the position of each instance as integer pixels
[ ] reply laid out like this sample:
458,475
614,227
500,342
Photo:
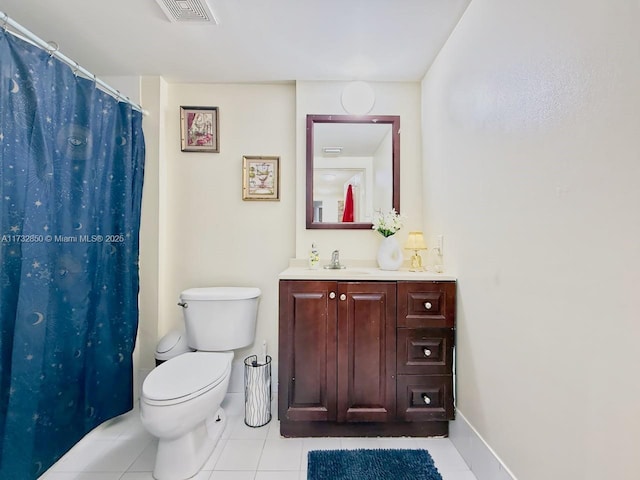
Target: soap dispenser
314,258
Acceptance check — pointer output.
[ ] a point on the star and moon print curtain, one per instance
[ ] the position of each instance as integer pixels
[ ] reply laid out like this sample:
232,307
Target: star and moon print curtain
71,168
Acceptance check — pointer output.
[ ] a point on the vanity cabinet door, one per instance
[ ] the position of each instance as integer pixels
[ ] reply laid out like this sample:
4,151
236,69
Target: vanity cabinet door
366,351
308,351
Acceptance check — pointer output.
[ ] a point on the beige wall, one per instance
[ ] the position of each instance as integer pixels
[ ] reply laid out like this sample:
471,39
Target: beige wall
531,120
196,227
151,235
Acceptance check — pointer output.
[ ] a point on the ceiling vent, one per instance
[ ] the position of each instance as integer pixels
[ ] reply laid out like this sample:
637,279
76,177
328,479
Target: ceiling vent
193,11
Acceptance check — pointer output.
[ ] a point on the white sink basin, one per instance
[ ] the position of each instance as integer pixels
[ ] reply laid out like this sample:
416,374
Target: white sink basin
348,273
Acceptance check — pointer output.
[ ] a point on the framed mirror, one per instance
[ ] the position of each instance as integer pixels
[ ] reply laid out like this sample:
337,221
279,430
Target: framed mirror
353,169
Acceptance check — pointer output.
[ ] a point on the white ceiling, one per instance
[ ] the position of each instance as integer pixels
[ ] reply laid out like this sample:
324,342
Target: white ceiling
255,41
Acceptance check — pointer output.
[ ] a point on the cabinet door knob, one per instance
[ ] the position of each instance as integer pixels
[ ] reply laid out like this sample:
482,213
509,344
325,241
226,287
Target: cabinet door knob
427,352
427,305
343,297
426,399
332,295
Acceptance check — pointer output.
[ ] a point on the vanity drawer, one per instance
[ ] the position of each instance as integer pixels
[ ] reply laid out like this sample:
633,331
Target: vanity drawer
425,397
426,304
425,350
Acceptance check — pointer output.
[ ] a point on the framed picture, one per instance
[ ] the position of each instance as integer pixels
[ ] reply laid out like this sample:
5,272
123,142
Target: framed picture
199,129
260,178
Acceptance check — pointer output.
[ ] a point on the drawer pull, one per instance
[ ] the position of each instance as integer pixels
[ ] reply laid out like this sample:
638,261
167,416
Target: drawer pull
428,305
332,295
426,399
343,297
427,352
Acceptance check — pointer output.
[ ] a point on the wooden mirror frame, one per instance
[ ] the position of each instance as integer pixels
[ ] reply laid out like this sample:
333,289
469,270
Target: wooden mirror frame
394,121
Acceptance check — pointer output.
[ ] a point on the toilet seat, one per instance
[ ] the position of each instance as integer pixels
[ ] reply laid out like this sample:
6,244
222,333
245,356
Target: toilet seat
186,376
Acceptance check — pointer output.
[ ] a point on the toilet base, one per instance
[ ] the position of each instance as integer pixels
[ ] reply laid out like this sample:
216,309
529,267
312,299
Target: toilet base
183,457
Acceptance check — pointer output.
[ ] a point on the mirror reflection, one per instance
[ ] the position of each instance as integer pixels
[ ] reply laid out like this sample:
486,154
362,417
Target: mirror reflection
352,169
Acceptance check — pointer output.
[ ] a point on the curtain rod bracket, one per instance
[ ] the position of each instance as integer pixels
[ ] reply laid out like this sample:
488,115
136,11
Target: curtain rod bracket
54,48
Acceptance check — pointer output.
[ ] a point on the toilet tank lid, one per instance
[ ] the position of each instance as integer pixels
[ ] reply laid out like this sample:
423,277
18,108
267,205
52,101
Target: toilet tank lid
220,293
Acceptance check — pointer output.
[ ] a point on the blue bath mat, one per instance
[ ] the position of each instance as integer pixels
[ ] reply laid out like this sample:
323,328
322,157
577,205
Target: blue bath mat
371,465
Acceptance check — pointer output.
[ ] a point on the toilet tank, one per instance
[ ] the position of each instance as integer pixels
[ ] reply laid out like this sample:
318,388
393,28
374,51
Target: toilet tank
218,319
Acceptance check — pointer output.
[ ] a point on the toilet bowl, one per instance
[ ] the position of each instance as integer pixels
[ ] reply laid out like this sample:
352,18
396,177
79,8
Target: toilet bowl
180,404
181,398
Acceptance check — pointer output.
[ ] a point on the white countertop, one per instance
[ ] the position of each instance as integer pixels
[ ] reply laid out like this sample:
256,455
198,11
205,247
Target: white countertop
355,272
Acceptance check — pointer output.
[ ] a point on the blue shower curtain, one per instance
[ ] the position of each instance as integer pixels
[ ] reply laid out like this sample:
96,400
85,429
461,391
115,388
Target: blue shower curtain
71,166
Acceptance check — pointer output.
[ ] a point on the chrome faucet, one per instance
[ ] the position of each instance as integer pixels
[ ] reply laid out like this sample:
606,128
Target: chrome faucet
335,261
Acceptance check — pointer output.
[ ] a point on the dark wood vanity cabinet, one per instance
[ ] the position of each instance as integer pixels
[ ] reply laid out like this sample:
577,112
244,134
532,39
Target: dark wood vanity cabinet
368,358
337,350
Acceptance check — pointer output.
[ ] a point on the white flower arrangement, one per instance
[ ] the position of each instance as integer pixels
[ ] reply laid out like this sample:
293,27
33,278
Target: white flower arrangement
388,223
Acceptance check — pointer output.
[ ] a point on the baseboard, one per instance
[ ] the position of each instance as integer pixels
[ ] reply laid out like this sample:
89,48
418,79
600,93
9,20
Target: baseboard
482,460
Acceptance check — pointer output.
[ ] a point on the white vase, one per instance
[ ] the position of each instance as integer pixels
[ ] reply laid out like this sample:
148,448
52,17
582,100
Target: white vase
389,254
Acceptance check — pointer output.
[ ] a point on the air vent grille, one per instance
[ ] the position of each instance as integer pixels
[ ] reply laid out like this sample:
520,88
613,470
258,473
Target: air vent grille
187,11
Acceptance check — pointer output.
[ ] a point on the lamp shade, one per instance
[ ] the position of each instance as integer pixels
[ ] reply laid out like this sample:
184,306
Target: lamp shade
415,241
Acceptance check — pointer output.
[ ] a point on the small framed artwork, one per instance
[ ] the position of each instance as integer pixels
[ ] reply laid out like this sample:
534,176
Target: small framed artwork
260,178
199,129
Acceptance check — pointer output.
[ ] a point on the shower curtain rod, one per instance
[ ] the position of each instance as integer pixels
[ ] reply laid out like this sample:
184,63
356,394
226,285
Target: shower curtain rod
52,48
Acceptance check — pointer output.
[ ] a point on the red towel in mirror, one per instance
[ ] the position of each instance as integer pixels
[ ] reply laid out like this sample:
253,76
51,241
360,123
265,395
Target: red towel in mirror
347,215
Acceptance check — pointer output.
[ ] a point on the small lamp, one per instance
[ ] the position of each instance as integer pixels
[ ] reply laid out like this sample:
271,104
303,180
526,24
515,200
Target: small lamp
416,243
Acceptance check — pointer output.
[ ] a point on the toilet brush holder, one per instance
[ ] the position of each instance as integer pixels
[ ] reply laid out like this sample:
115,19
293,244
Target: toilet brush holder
257,391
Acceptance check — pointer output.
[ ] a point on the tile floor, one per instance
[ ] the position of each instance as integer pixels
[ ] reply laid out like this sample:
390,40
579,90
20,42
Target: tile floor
122,450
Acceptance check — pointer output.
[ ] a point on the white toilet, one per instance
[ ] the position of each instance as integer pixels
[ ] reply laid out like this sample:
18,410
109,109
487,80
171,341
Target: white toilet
180,400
